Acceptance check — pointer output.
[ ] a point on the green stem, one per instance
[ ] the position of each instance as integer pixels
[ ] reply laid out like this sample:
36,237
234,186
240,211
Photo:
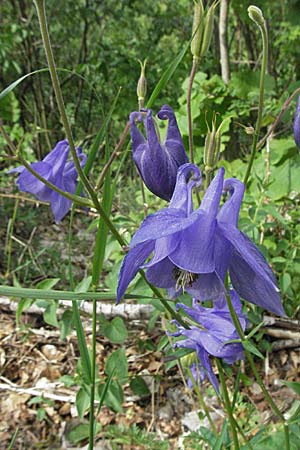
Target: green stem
202,402
189,110
74,198
264,33
10,232
259,380
93,379
40,7
228,405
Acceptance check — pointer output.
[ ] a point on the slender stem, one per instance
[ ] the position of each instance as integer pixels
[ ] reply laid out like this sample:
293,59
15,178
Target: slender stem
259,380
112,156
228,405
287,436
10,232
189,111
11,147
264,34
40,7
202,402
276,121
75,198
93,379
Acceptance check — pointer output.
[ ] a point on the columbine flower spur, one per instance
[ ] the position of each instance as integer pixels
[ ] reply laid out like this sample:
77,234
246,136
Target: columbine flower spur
56,169
157,162
192,250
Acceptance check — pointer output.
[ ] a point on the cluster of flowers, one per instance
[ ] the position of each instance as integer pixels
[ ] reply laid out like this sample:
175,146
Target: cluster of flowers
192,250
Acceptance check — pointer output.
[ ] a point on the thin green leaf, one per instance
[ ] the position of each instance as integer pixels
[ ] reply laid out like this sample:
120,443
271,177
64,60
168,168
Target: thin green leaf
167,75
102,232
104,391
249,347
83,350
13,439
252,332
222,437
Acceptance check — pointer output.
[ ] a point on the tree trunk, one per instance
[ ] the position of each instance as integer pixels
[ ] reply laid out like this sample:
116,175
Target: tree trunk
224,54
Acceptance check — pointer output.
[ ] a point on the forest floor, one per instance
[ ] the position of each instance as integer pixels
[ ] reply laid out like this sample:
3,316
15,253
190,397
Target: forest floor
33,359
41,408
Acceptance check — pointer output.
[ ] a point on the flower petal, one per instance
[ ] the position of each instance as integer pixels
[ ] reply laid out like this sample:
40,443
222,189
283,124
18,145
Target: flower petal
29,183
250,274
297,124
162,274
206,364
60,205
163,247
182,195
173,132
195,250
229,213
131,265
207,286
211,199
163,223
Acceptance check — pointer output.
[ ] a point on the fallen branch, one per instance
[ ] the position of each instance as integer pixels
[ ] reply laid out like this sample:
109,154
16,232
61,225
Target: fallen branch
125,310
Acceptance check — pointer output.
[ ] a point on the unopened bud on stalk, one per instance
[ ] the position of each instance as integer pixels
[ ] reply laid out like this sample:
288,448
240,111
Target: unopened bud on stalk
212,146
256,15
142,85
198,25
208,30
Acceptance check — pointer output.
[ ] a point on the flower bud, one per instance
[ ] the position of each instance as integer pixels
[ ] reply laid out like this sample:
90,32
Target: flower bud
208,30
256,15
197,31
142,85
212,146
157,162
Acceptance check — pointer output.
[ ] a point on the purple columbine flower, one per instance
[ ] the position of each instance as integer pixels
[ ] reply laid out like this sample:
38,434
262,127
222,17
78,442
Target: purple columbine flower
194,249
211,335
56,169
297,124
157,162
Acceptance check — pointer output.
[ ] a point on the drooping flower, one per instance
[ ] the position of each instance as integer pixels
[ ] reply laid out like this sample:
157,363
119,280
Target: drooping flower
297,124
211,334
157,162
56,169
194,249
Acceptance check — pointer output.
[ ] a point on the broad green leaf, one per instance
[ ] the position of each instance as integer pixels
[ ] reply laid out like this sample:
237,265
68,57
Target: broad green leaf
47,284
81,432
84,285
117,362
50,314
115,331
23,304
139,387
82,401
66,324
114,396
